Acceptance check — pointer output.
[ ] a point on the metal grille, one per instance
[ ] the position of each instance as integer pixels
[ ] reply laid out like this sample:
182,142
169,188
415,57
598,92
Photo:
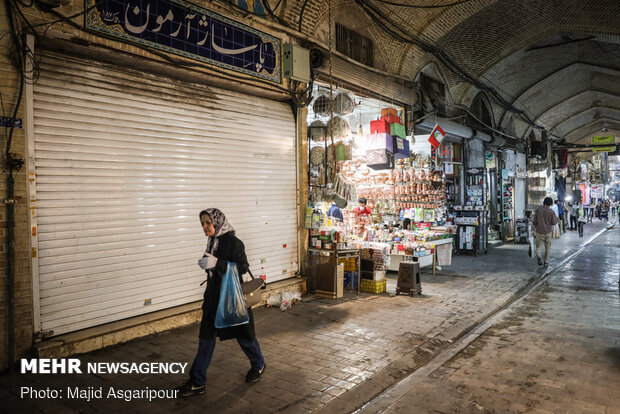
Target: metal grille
124,162
354,45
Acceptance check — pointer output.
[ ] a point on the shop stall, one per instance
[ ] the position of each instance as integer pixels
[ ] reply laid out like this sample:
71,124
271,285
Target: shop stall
373,201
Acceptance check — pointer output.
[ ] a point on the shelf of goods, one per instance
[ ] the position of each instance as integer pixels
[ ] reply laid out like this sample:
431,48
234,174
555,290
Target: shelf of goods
425,258
405,187
450,192
419,246
472,217
506,200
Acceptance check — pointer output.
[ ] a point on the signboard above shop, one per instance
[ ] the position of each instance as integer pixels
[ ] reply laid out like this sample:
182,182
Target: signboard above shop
182,28
604,140
437,135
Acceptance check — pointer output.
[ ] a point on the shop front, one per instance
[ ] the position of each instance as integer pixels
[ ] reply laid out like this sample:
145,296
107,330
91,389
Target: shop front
124,161
377,195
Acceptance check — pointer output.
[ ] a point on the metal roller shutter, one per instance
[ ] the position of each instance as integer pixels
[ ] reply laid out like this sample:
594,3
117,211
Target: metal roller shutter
124,162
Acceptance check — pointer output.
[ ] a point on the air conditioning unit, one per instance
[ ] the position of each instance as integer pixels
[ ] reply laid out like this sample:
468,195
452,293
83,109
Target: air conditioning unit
296,63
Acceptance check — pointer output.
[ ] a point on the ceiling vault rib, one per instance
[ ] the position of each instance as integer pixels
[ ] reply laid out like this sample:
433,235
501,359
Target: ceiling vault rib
406,36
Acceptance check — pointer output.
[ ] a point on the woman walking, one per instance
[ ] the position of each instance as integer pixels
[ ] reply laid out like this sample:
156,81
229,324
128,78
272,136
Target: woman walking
223,246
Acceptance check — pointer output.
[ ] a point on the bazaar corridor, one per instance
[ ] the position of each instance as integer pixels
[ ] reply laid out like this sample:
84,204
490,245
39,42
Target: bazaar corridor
555,349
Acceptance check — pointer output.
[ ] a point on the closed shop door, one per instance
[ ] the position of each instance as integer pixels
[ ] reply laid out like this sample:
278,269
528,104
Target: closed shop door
124,163
520,197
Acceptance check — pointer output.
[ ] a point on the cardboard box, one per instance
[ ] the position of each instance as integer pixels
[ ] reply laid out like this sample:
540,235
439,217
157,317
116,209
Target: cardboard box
391,119
398,130
380,141
378,275
401,148
388,111
379,126
340,280
379,159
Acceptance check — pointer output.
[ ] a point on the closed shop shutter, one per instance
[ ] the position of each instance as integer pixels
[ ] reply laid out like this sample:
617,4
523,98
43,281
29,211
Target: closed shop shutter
124,163
520,186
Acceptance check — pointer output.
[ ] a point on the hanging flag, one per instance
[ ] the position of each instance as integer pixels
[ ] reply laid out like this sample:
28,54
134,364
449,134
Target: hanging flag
437,135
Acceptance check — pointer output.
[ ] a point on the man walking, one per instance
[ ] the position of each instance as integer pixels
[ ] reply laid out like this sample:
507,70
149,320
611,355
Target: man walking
573,217
544,220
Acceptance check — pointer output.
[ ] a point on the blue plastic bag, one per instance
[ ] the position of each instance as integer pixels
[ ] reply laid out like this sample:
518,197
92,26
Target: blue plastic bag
231,311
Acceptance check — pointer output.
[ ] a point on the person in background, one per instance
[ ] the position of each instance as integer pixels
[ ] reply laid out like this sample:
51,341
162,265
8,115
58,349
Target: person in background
581,218
561,215
223,246
335,212
555,231
362,209
573,216
544,220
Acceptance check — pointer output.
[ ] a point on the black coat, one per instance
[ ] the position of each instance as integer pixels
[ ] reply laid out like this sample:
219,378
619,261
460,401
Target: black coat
229,249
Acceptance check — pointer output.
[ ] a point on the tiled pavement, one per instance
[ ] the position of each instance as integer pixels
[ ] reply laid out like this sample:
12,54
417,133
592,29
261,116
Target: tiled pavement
322,354
558,351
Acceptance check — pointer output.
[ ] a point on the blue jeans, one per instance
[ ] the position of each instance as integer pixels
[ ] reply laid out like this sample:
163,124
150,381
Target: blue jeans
198,372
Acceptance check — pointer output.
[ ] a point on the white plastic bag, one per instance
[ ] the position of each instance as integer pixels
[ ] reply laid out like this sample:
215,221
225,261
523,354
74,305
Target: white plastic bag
274,300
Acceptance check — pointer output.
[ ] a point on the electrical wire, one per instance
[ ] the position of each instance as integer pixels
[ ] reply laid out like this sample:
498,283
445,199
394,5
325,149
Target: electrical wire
182,63
14,162
276,6
413,6
73,16
405,36
268,9
301,15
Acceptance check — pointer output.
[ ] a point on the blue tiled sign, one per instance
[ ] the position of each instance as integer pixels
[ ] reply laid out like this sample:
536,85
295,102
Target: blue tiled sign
7,122
185,29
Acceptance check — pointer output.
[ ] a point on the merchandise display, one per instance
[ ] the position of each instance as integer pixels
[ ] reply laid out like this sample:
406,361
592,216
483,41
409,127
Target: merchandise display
391,196
507,207
472,217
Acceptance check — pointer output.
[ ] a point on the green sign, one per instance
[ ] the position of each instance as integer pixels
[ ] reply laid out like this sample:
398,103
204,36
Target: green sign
604,140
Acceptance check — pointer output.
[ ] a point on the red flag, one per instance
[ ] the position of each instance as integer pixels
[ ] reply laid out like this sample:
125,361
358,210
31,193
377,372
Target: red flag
437,135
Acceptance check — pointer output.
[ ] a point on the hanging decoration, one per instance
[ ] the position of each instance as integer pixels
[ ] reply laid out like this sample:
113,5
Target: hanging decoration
343,104
340,127
321,105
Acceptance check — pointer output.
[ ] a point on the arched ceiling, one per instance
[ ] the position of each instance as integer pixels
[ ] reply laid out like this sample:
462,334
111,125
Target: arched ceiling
558,61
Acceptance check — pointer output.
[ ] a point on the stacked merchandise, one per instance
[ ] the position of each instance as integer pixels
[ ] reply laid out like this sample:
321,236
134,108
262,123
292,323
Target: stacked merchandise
416,193
373,264
350,272
472,217
373,271
324,232
373,286
475,189
387,141
409,187
506,200
450,192
522,230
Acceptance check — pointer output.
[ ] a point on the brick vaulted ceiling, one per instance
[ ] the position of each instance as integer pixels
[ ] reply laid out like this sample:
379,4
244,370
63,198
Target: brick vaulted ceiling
556,60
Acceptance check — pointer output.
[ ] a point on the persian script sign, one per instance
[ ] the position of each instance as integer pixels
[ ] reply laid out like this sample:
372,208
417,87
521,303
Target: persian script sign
185,29
604,140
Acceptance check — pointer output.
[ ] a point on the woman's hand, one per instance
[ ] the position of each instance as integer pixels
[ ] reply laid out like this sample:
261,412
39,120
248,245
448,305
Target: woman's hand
207,262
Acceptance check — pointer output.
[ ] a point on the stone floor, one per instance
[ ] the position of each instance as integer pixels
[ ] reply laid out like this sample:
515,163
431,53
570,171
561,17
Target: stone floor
334,355
556,352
